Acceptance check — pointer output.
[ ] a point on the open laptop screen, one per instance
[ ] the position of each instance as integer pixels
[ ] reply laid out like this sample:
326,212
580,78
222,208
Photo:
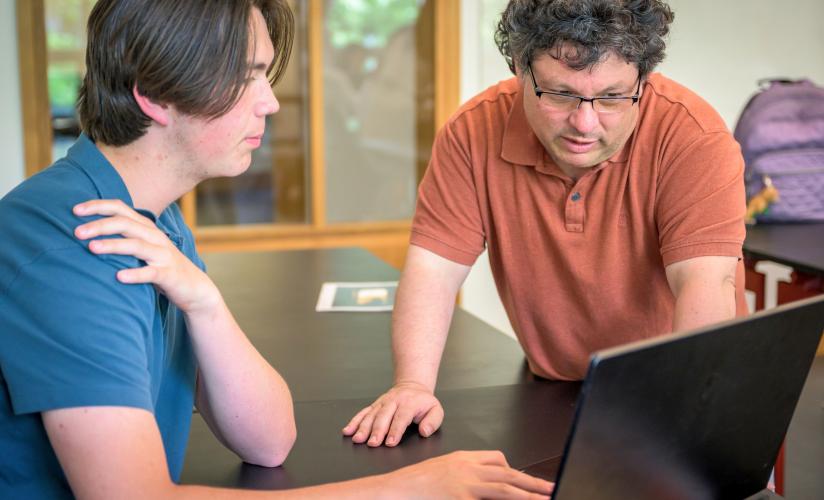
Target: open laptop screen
694,415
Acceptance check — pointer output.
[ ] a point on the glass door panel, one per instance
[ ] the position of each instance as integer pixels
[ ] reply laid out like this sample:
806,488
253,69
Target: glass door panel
375,58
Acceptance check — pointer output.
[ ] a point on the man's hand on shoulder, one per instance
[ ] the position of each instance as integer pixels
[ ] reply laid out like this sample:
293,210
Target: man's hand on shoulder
389,416
170,271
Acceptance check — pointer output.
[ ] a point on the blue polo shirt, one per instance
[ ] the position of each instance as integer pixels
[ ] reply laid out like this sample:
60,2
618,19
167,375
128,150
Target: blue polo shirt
71,335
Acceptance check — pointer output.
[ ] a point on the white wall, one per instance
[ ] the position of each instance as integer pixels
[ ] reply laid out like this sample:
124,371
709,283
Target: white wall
719,49
481,63
11,133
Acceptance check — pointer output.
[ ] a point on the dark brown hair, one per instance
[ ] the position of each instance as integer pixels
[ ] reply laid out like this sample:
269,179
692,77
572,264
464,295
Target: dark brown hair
192,54
582,33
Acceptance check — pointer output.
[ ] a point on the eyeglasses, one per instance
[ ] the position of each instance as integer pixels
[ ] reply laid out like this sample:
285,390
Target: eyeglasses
558,101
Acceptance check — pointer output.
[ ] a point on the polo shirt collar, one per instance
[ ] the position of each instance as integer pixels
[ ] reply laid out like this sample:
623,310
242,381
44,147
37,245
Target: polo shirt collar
520,144
90,160
522,147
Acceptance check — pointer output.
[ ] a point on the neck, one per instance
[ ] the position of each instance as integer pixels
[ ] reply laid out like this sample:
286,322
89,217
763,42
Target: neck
150,171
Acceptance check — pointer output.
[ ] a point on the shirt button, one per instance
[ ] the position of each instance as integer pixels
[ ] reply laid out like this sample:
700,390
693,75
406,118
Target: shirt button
576,196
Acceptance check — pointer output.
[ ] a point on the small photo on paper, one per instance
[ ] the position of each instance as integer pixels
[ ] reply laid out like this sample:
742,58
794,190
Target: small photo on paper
357,296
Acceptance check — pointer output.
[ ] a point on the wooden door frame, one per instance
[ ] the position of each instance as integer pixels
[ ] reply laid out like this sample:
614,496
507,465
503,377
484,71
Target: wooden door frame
34,92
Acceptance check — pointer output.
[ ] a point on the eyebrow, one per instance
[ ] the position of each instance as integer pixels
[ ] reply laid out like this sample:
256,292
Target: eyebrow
262,66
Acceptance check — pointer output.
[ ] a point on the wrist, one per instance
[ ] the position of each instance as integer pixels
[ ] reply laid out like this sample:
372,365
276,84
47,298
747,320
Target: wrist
414,383
205,303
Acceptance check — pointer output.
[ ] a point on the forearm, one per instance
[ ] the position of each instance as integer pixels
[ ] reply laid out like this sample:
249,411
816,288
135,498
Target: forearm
244,400
368,487
423,311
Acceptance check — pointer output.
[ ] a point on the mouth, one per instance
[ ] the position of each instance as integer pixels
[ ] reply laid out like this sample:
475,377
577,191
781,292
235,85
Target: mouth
254,140
578,145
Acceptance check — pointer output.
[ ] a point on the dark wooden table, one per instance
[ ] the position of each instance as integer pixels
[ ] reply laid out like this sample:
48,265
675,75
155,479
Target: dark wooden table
336,363
800,246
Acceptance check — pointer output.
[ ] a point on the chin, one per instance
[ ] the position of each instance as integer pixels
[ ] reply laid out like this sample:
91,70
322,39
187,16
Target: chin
580,161
241,167
224,173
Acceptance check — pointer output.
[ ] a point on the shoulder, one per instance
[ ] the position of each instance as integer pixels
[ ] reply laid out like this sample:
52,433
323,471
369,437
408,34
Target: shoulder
675,123
667,101
490,107
36,218
478,124
41,206
59,184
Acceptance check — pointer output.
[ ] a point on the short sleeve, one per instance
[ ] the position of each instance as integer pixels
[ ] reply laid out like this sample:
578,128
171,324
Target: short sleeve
447,217
700,201
72,335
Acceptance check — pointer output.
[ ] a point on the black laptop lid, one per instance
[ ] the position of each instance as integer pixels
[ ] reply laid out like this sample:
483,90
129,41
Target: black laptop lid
694,415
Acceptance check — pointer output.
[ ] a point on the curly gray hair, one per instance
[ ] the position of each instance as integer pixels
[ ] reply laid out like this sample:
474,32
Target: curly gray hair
582,33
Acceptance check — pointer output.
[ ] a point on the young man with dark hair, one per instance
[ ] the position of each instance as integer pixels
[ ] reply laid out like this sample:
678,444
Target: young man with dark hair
110,330
610,200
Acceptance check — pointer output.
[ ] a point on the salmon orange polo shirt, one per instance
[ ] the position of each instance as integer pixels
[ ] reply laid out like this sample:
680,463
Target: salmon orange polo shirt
580,265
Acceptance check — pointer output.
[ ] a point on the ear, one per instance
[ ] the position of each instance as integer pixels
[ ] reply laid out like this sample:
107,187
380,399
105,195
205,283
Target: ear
157,112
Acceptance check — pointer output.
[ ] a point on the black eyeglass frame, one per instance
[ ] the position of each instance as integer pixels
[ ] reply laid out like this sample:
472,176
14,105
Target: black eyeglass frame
581,99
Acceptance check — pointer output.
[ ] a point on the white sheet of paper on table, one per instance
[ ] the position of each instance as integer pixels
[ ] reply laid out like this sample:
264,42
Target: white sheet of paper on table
357,296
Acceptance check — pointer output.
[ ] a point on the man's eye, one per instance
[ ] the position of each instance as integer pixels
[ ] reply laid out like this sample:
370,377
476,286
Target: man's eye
558,98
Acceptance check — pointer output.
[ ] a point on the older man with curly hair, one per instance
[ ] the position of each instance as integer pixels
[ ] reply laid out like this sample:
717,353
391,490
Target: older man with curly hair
610,200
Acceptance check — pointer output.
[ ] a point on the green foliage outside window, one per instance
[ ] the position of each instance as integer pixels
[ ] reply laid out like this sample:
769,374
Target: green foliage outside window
368,23
65,45
64,83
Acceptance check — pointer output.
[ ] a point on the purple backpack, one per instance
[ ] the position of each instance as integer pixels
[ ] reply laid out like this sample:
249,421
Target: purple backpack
781,132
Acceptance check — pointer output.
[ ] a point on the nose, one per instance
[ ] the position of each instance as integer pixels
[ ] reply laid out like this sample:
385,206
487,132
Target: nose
584,119
268,103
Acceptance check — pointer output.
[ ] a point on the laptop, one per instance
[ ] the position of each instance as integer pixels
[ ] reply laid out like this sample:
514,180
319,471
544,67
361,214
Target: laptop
689,416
